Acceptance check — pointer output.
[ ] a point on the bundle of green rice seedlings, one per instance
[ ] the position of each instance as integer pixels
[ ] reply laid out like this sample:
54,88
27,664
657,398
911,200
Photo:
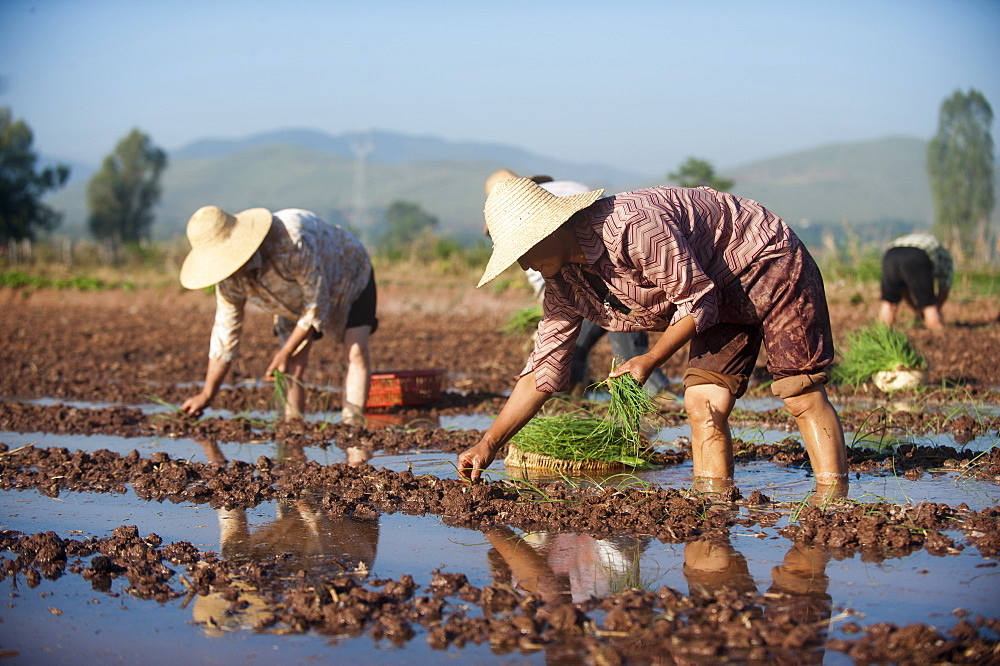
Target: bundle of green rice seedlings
629,407
565,441
873,349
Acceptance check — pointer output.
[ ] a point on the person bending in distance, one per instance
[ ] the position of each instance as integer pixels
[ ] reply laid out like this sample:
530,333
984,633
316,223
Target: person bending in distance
911,269
314,277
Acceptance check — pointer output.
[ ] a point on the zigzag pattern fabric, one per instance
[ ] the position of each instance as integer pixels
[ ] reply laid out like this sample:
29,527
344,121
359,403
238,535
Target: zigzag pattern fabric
665,253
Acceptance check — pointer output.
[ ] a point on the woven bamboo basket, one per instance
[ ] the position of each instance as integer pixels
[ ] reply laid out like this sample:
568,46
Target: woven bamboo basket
518,457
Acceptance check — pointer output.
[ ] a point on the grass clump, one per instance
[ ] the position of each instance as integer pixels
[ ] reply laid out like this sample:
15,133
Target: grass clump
20,280
283,381
876,348
523,321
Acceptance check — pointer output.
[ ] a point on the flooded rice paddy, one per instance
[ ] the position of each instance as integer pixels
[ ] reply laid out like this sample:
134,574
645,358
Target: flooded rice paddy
128,533
68,619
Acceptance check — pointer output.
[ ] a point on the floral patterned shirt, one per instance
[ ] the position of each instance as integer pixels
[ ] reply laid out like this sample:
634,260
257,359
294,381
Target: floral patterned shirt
306,271
662,254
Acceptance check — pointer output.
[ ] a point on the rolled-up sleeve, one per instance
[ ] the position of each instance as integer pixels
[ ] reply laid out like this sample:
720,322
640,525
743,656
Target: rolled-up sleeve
555,343
662,254
225,340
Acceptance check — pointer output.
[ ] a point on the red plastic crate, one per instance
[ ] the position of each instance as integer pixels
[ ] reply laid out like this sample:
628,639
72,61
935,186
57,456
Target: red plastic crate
394,388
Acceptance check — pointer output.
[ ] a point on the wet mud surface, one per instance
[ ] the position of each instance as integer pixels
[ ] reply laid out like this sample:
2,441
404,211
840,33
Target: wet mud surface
65,356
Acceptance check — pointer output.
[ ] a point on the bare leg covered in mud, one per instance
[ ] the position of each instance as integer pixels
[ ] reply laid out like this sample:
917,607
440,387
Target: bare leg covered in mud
709,406
823,437
295,391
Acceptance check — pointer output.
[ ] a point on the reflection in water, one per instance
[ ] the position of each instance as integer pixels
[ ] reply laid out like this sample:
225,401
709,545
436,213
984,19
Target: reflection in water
356,455
557,567
560,567
798,585
575,567
301,531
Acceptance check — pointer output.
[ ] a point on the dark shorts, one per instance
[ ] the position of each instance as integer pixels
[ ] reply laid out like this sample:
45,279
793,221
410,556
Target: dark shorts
908,269
362,311
794,326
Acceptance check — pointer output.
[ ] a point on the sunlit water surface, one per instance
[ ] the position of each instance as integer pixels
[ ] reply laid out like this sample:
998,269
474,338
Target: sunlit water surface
65,621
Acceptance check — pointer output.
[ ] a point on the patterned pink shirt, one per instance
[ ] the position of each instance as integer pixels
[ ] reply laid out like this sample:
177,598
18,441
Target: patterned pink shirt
306,271
665,253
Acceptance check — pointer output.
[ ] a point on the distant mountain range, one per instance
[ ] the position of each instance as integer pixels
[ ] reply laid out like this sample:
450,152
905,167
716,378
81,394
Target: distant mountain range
878,185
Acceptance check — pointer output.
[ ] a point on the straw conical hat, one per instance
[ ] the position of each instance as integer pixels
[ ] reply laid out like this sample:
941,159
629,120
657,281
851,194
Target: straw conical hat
221,243
519,214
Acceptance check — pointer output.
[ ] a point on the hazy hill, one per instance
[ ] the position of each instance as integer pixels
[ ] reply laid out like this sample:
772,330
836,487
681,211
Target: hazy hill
871,182
393,148
316,171
880,182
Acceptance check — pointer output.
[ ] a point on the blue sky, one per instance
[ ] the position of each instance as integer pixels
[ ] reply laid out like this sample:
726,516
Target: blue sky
637,85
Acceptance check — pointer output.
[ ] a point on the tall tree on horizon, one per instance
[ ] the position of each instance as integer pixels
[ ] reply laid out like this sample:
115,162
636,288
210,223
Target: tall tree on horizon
961,168
696,172
122,194
21,186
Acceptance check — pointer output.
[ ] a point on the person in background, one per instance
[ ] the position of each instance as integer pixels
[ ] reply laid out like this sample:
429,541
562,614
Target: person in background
918,269
624,344
711,269
314,277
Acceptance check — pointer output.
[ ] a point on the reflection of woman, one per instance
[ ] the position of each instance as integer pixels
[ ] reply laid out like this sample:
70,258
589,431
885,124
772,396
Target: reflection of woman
300,529
356,455
799,583
803,575
564,566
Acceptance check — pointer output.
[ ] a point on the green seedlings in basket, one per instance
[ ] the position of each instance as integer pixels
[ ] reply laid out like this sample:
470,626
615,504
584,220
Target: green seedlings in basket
616,438
523,321
876,348
569,437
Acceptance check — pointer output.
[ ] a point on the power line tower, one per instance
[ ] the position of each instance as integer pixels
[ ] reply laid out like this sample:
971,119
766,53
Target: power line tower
362,144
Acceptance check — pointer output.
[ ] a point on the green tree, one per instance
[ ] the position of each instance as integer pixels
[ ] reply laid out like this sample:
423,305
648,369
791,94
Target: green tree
960,167
21,186
695,173
405,221
121,195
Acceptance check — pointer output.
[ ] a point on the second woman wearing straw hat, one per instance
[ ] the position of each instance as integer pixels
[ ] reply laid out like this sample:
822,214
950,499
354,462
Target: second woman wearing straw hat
314,277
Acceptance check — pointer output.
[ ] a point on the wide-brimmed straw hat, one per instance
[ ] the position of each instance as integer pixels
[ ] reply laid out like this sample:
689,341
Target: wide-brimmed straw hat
519,214
221,243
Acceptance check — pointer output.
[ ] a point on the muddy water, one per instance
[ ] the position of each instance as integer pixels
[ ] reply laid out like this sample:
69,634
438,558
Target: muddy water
68,621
